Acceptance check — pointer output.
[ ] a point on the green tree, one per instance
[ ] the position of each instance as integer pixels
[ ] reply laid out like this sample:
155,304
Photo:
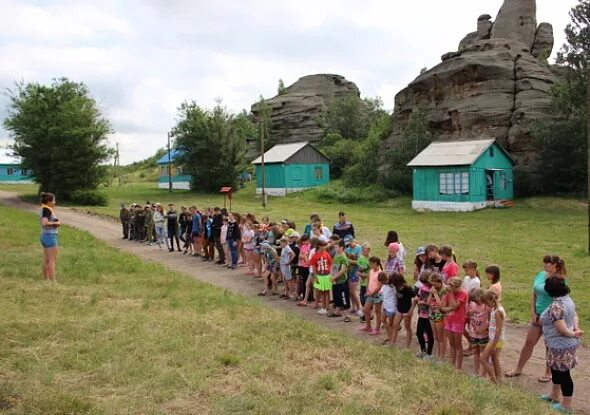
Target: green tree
212,144
416,137
561,145
59,134
352,117
281,89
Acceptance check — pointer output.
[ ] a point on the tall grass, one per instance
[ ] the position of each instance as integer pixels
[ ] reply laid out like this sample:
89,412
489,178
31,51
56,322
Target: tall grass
117,335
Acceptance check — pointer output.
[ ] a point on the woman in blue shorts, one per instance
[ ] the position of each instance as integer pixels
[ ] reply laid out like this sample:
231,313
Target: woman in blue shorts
49,225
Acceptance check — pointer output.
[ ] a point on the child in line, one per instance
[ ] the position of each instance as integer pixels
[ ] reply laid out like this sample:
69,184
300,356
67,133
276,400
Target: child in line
353,253
287,256
477,326
471,282
294,245
436,316
363,273
248,244
303,269
423,328
435,261
419,264
322,264
340,290
450,269
490,359
405,295
493,276
272,268
374,297
454,305
394,262
389,306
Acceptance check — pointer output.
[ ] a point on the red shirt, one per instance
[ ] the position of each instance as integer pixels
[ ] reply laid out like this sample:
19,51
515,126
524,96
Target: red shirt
322,263
450,270
459,316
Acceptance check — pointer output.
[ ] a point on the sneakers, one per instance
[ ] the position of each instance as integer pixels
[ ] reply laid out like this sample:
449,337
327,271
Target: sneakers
322,311
428,357
557,407
360,314
420,355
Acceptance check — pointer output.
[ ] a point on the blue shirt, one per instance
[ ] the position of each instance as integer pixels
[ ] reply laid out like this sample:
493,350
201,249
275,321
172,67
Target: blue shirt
47,213
562,308
197,223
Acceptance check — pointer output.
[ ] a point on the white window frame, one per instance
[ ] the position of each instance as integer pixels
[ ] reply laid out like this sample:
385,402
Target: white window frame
453,183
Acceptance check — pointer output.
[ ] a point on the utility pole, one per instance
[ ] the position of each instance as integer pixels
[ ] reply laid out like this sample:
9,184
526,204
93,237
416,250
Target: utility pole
116,165
169,165
588,141
262,171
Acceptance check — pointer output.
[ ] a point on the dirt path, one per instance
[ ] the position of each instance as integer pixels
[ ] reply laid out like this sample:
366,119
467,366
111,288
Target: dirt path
110,232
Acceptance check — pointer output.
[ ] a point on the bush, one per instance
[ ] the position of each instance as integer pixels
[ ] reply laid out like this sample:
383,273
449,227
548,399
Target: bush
338,192
88,198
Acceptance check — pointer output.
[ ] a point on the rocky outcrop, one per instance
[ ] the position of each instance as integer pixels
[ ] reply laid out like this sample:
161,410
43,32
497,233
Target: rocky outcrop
297,114
494,86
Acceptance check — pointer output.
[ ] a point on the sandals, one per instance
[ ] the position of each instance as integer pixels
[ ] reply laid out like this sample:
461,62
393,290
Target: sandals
301,304
332,314
544,379
347,319
512,374
262,294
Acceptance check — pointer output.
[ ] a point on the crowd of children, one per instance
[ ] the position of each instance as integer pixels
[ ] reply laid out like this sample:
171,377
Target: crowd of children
328,270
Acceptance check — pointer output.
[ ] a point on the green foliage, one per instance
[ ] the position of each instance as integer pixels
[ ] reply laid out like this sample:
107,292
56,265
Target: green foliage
281,89
341,192
340,153
88,197
212,144
416,137
60,135
352,117
561,146
561,165
264,122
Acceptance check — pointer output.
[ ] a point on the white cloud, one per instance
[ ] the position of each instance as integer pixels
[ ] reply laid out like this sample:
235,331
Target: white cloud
142,58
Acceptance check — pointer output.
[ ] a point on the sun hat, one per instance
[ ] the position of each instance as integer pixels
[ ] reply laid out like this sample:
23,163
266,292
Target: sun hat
264,246
295,235
421,250
393,247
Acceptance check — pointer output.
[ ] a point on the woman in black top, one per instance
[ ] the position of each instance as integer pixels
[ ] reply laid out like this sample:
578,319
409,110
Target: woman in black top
233,237
172,216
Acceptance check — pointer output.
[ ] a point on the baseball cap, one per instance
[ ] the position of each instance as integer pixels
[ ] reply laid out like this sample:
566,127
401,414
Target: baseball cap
348,239
421,250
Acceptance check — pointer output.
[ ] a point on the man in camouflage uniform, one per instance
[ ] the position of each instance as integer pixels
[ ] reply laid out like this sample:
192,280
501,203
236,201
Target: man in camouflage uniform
140,223
125,217
132,221
149,225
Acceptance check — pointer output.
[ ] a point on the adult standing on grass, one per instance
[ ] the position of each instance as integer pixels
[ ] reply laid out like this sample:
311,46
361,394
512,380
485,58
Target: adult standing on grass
343,227
562,336
540,301
49,226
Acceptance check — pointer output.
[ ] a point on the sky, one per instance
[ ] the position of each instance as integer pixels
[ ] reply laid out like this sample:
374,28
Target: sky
142,58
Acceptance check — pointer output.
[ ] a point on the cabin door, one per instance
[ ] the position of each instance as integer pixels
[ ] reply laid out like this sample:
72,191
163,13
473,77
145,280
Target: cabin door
490,181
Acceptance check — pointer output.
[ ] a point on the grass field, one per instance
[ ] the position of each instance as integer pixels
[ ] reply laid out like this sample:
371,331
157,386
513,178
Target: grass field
117,335
515,239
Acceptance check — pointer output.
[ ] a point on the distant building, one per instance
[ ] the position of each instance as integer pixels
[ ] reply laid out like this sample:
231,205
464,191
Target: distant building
462,176
179,179
291,168
11,171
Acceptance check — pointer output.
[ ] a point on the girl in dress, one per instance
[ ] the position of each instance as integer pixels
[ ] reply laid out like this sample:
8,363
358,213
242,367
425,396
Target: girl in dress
436,316
478,316
490,359
374,298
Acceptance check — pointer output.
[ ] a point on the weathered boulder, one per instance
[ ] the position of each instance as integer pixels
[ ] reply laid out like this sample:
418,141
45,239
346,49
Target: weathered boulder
517,20
297,114
544,41
490,88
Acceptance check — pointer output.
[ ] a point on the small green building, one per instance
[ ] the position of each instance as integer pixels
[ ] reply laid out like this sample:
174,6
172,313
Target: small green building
179,179
291,168
462,176
11,172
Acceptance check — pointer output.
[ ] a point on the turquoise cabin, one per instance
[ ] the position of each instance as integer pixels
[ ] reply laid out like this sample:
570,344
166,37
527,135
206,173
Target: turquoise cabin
12,173
462,176
179,179
291,168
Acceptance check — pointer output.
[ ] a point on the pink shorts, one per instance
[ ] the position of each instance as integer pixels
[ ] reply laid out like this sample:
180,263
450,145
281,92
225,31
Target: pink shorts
454,327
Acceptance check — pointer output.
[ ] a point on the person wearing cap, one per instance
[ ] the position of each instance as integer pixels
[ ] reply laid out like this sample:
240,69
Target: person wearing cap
343,228
419,264
132,234
288,227
125,218
272,268
392,236
394,263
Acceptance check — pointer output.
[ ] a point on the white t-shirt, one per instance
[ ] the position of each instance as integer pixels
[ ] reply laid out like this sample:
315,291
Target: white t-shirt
402,251
248,236
389,298
470,284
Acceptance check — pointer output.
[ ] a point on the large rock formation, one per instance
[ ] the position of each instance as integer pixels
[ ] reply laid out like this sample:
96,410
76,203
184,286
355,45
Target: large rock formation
493,86
296,115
